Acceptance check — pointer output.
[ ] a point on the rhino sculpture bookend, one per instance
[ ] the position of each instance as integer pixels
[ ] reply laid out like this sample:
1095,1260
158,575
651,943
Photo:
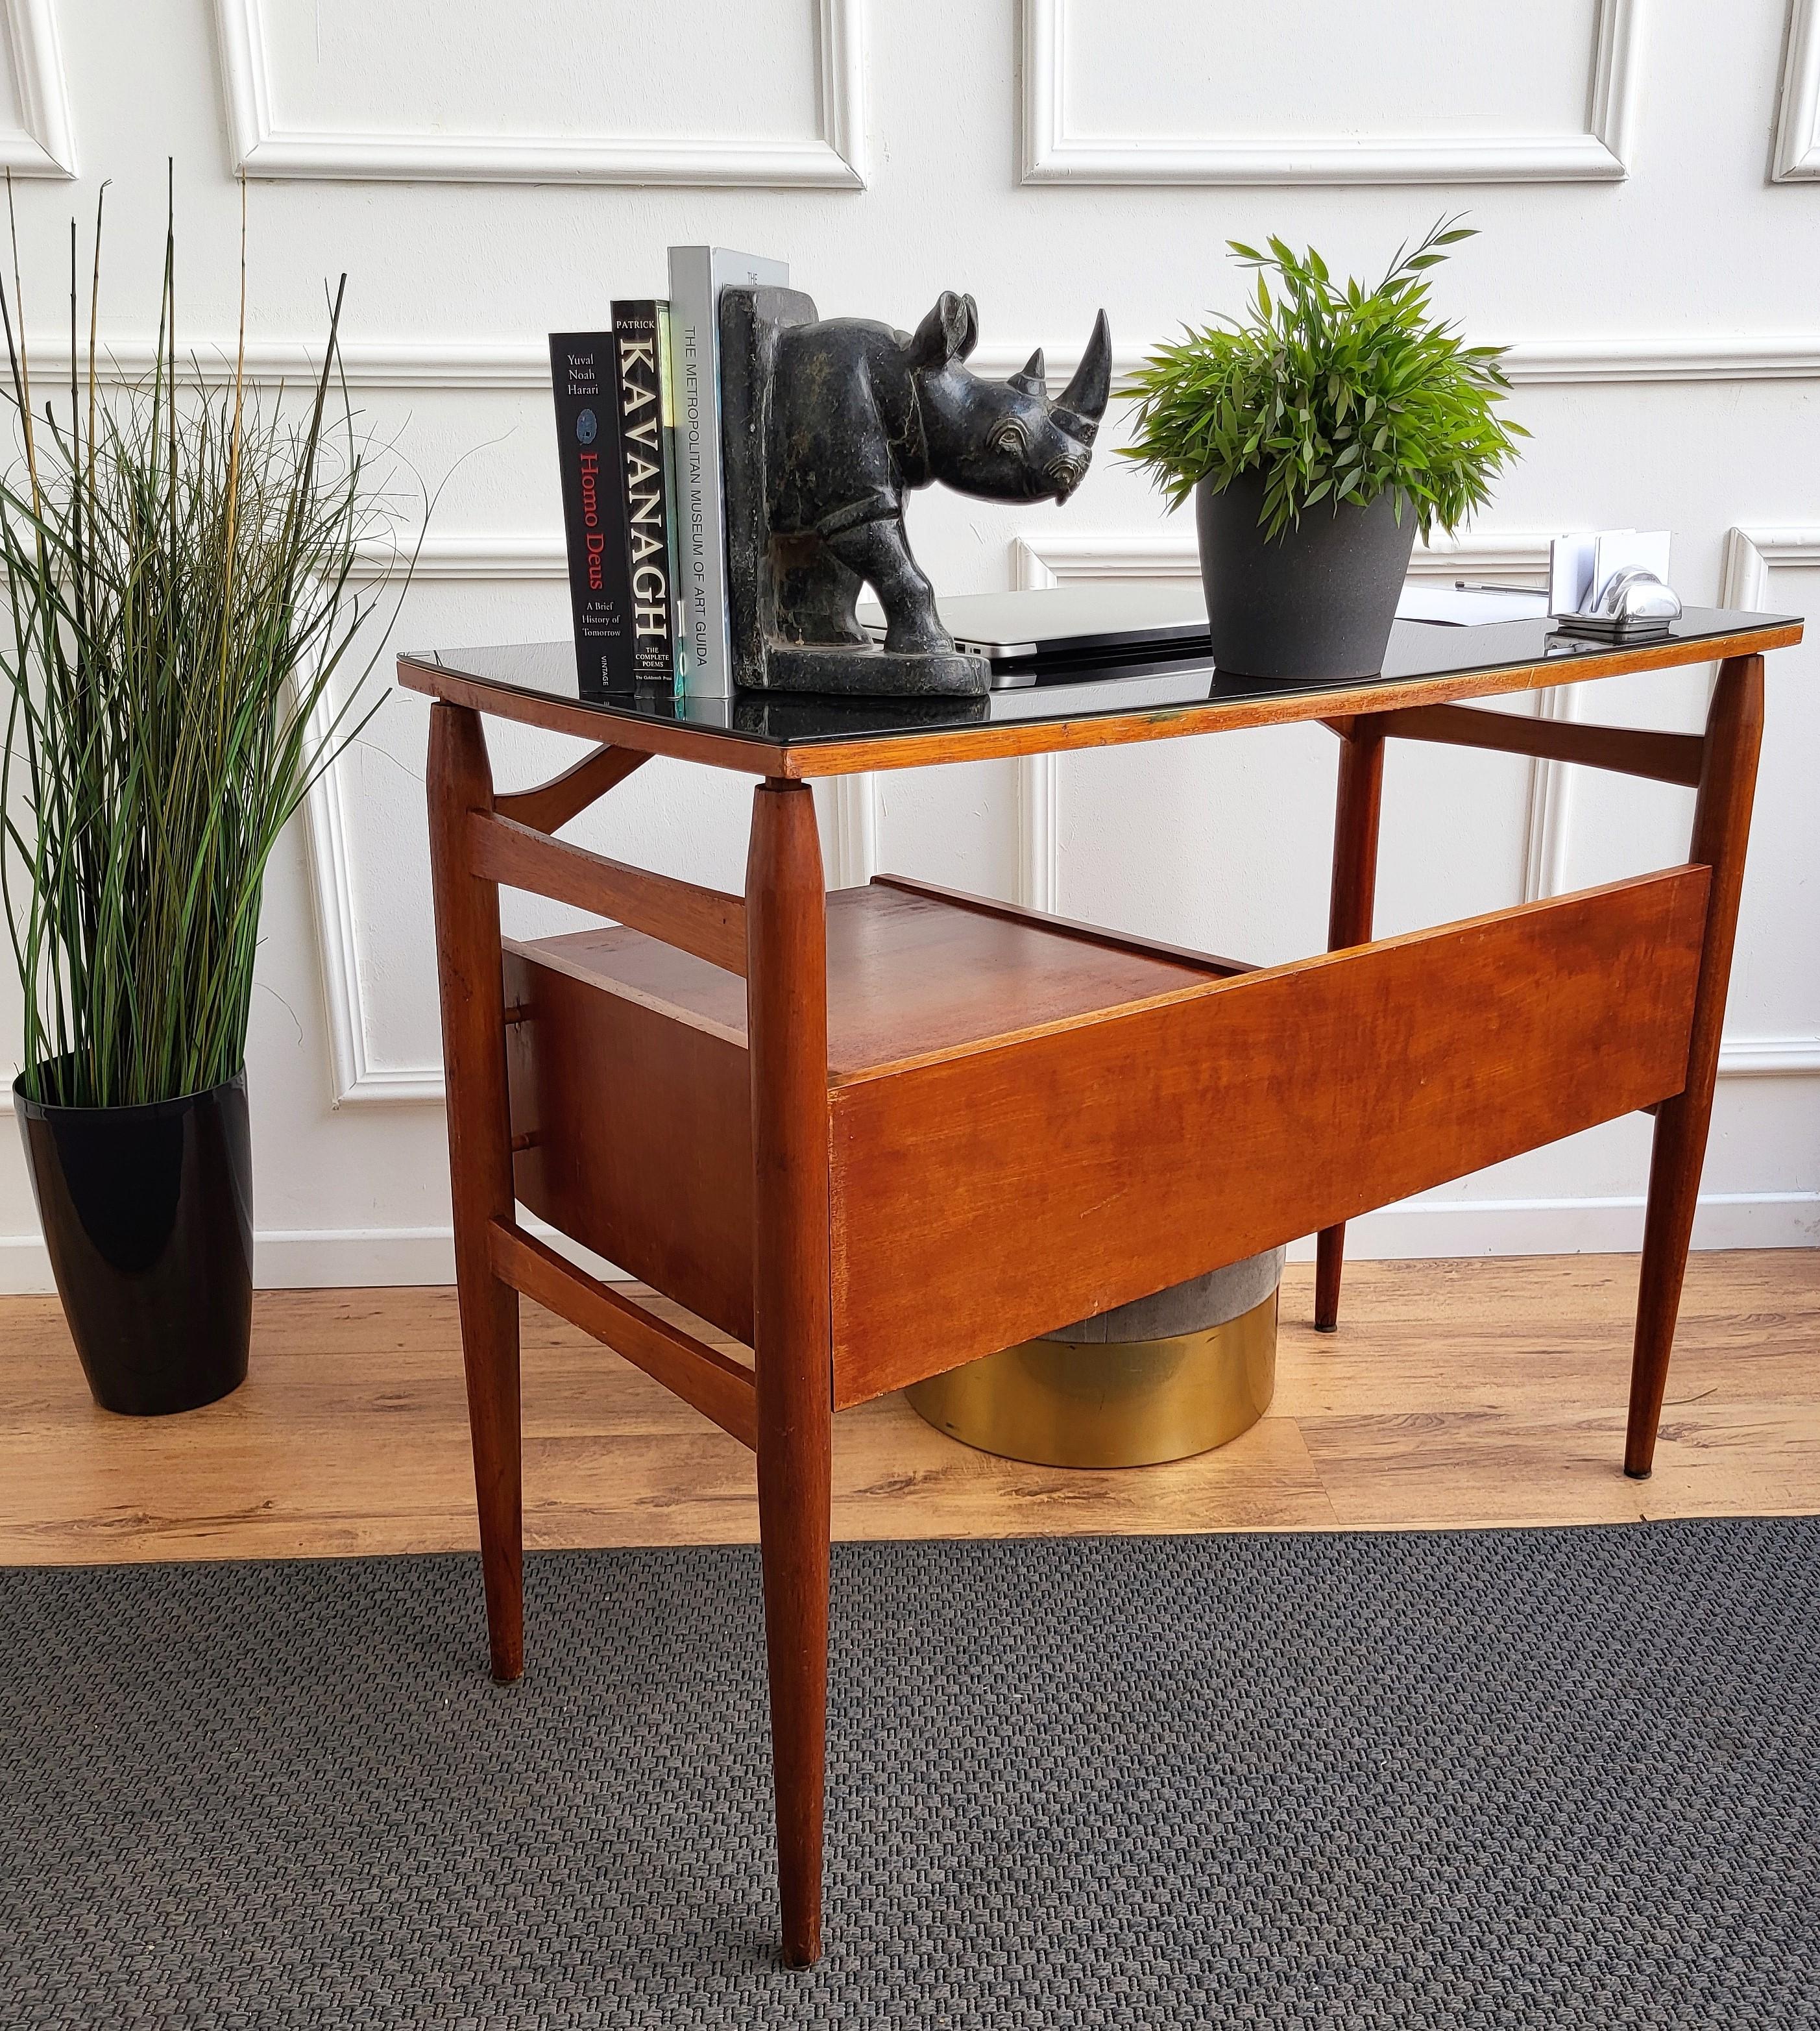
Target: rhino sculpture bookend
827,424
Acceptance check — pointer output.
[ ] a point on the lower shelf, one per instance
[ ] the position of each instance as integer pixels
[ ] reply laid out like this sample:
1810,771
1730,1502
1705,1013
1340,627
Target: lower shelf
914,973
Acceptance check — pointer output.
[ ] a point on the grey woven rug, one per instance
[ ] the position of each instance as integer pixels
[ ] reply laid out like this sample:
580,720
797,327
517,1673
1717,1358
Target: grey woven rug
1525,1778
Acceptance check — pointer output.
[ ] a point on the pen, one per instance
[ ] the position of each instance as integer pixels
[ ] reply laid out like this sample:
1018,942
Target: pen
1464,585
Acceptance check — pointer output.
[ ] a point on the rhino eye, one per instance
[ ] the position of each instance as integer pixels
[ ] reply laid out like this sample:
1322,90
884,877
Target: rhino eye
1009,436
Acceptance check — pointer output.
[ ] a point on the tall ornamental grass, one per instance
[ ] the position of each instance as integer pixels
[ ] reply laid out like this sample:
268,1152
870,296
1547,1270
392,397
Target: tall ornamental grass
179,562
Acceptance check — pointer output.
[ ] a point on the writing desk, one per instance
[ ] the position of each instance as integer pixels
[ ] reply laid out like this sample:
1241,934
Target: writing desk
874,1134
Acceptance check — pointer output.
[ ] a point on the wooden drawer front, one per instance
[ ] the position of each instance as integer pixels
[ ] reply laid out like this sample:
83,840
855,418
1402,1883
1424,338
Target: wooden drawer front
1002,1194
643,1138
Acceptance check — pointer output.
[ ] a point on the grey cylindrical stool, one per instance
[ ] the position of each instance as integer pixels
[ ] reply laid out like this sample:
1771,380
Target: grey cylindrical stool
1156,1380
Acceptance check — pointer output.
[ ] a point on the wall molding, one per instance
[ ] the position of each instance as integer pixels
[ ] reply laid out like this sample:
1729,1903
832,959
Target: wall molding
1037,563
1601,154
336,1259
1752,555
539,554
330,1259
834,159
1605,1226
854,857
1639,360
319,1259
1545,822
1038,865
1519,555
1518,558
356,1078
481,366
1797,153
1667,357
44,143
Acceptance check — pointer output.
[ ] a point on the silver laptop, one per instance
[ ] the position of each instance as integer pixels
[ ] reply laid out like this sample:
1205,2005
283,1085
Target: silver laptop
1104,619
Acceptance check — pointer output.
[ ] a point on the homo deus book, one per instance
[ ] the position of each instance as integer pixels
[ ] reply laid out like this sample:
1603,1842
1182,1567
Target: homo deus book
647,416
584,373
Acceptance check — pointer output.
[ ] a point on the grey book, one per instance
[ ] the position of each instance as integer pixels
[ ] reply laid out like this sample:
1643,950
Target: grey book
697,275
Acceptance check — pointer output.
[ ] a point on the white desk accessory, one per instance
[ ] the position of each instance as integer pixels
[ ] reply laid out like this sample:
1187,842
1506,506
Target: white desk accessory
1611,582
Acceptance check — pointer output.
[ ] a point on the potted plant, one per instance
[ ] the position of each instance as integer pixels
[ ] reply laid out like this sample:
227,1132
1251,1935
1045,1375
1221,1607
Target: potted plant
178,564
1317,434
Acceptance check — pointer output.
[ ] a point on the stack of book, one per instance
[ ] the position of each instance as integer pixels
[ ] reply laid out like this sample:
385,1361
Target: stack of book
638,434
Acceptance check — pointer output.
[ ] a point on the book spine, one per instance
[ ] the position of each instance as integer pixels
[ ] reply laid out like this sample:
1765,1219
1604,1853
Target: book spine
584,375
707,659
667,386
697,276
647,502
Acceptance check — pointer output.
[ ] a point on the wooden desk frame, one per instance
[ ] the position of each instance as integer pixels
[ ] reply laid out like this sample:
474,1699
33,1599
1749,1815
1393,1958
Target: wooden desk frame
1674,932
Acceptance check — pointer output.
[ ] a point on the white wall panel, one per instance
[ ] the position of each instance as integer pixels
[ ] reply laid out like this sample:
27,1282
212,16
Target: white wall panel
35,135
1461,91
316,87
368,852
1642,177
1798,126
332,65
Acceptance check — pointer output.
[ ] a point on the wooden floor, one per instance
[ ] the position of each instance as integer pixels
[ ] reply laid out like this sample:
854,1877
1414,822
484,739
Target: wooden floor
1455,1393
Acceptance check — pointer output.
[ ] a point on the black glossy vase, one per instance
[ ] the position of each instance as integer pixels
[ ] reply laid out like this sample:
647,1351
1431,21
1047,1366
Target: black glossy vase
1315,602
148,1217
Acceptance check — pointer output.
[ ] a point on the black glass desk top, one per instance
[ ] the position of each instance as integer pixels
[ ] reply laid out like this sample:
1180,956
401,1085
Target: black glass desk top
1424,661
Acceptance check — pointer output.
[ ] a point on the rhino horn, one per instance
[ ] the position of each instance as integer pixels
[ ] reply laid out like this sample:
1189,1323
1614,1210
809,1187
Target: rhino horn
1083,401
1034,378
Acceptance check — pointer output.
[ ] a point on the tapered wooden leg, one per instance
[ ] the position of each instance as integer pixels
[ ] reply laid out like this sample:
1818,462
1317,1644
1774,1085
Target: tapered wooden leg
1349,923
786,1003
1721,829
479,1162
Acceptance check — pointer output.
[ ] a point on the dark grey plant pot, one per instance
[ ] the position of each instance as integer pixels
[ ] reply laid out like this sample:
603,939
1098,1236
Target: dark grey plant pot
1314,603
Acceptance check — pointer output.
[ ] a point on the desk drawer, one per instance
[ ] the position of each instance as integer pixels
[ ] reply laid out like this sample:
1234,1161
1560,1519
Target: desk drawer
630,1084
639,1132
1001,1192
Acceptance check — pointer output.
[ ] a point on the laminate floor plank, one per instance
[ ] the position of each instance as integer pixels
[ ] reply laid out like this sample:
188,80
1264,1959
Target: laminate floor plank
1456,1393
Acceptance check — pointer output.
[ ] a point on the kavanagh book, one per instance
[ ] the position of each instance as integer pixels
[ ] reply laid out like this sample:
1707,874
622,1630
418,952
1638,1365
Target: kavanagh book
641,329
697,275
584,371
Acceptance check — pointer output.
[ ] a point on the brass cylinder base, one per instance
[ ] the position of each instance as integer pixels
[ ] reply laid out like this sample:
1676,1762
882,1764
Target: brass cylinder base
1061,1403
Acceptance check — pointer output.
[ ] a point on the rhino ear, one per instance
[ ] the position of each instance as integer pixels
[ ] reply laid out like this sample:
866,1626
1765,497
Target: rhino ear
1034,378
950,332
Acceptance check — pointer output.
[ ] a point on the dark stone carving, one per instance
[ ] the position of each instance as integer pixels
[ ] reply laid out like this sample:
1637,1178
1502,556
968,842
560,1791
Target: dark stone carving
827,424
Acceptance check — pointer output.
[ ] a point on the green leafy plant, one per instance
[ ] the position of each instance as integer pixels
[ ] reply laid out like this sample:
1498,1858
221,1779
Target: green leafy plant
1333,394
181,581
